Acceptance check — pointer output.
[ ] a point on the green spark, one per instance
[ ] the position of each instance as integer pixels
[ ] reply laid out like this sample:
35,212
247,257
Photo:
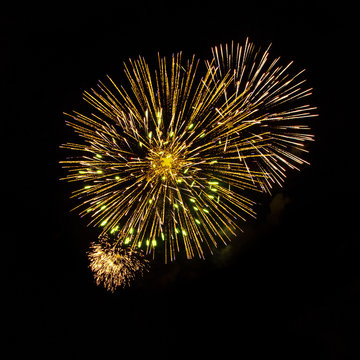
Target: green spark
116,228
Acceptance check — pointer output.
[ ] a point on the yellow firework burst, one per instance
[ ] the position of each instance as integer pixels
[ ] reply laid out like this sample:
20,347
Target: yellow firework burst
171,161
115,266
271,98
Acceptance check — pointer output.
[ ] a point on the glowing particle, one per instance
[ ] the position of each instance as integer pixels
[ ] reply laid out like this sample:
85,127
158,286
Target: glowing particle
116,228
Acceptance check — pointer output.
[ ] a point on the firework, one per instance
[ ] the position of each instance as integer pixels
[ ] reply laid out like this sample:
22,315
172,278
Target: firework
271,100
115,266
172,160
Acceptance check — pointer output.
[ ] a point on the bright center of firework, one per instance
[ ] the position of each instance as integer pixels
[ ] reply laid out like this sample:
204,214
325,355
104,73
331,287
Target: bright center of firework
164,164
166,161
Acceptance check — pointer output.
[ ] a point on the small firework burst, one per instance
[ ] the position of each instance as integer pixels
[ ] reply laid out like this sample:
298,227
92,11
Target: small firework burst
115,266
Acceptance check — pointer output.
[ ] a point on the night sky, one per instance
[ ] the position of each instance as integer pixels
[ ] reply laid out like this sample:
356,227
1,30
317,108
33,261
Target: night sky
288,288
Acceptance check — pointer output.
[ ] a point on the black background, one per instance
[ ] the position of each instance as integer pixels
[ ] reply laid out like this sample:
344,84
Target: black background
288,288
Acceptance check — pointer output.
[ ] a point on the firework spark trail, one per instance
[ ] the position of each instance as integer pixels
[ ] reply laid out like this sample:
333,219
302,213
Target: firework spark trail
171,161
